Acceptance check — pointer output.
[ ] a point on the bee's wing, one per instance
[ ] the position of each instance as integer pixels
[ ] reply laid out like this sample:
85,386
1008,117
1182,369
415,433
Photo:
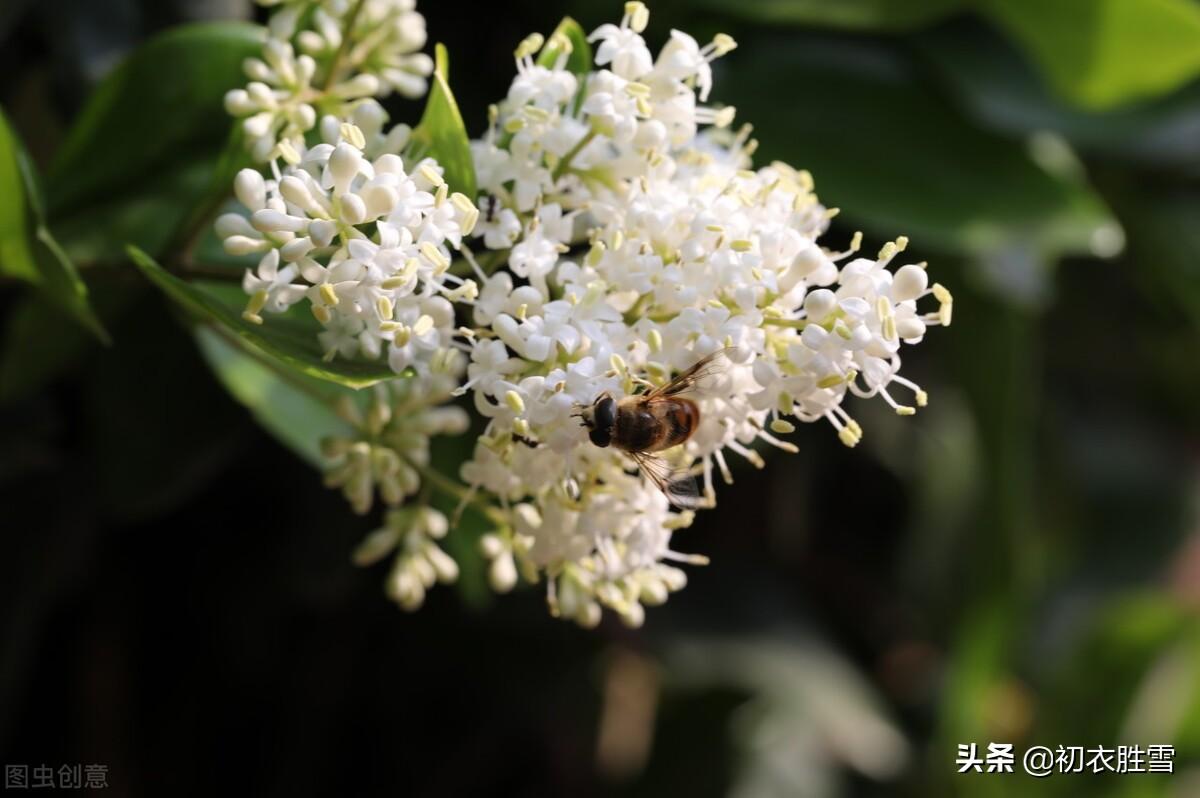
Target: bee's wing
677,484
686,380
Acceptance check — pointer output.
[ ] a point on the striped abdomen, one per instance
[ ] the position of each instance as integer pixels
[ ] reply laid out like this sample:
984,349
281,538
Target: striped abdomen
651,425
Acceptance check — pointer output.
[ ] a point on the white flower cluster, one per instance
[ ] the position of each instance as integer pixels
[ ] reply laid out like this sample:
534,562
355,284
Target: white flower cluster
629,237
636,246
349,51
366,242
391,441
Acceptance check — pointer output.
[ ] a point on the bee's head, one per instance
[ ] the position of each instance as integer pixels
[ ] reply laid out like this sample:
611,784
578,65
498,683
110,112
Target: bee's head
599,418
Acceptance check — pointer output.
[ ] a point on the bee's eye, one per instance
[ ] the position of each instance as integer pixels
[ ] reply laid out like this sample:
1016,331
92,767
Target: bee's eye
606,413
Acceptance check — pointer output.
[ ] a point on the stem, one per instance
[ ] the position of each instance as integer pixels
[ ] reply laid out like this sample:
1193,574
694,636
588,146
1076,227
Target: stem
452,488
795,324
565,163
343,48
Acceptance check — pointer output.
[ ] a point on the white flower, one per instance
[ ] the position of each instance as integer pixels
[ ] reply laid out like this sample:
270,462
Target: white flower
371,242
279,104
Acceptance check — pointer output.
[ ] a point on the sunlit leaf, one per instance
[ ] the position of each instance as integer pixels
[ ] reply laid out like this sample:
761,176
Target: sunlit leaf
296,410
1102,53
28,251
441,133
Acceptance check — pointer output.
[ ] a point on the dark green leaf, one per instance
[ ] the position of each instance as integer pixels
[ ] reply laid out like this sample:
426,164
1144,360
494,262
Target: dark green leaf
290,338
40,344
1000,89
579,61
27,249
441,134
881,15
898,158
1102,53
162,101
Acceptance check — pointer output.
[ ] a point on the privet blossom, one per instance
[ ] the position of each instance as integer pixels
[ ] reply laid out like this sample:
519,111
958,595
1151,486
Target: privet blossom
622,234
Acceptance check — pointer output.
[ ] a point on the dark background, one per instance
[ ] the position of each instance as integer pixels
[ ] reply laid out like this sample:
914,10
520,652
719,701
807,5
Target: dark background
1019,563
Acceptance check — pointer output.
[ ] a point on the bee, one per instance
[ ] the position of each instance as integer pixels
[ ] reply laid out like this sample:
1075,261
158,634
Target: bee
644,424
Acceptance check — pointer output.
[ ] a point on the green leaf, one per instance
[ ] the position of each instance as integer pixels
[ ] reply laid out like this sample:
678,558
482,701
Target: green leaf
297,411
879,15
161,103
900,160
579,61
290,338
1103,53
441,133
27,249
147,215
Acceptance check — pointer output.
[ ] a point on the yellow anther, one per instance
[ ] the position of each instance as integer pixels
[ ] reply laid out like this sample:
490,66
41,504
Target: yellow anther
922,398
424,324
782,427
434,256
723,43
654,339
725,116
905,410
328,294
352,134
288,152
514,401
638,15
522,311
431,175
385,307
847,436
529,45
617,363
595,253
392,283
257,301
321,313
741,245
830,381
514,124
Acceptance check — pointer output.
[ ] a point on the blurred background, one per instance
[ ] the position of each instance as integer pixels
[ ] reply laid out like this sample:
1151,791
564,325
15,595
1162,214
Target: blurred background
1018,563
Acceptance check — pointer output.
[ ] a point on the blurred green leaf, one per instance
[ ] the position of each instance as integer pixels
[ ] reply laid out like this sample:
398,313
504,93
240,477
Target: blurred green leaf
28,251
579,61
39,344
900,159
296,410
441,134
290,338
998,88
1102,53
161,102
147,216
881,15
